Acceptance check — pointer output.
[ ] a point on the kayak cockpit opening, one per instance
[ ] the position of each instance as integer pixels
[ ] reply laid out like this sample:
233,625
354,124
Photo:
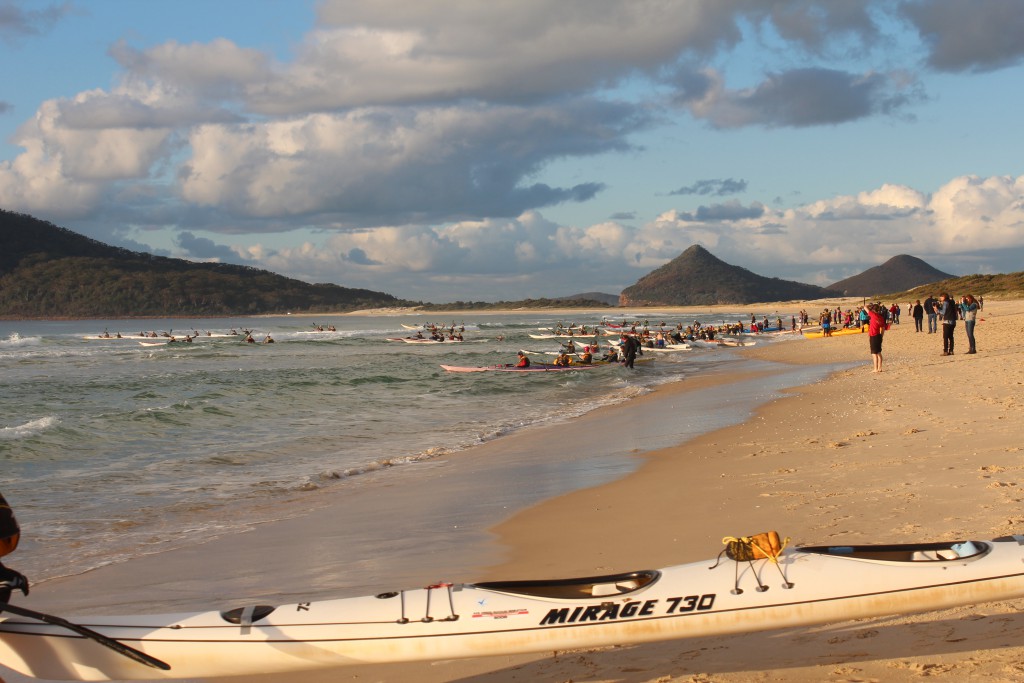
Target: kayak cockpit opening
246,616
910,552
570,589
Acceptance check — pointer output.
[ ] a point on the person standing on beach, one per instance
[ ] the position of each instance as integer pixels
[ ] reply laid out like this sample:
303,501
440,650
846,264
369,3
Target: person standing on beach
10,533
931,310
948,310
918,313
969,312
876,330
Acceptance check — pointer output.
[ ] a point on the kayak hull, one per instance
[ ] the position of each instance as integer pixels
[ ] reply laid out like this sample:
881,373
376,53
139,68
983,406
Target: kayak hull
837,333
807,586
534,367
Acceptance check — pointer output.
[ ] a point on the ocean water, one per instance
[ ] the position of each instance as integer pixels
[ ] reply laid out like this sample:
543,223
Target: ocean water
111,448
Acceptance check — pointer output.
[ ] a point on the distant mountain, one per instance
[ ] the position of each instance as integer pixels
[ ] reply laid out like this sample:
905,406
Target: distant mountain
697,278
49,271
609,299
898,274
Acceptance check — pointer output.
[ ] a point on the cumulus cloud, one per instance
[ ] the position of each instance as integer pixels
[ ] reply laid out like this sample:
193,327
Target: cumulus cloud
76,151
370,167
219,69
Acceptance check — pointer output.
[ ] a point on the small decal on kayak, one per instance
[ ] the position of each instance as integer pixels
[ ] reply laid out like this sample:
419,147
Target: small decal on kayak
610,610
500,614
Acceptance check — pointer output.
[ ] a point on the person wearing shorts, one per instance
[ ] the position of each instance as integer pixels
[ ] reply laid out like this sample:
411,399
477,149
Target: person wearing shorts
876,330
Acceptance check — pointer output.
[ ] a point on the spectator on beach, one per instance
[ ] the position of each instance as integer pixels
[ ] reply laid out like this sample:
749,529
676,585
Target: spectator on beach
10,533
876,330
826,323
918,313
948,310
894,313
931,310
863,317
969,312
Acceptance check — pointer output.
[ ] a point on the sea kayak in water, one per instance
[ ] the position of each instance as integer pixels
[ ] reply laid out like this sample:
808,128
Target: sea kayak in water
533,367
758,585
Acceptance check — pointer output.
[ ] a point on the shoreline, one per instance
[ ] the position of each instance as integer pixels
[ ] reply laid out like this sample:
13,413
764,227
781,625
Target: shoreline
804,464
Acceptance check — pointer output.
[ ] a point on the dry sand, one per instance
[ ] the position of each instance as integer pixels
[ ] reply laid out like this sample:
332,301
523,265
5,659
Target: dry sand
929,449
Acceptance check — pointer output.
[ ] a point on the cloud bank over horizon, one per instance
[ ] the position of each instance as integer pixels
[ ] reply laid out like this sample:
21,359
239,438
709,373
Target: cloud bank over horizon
442,151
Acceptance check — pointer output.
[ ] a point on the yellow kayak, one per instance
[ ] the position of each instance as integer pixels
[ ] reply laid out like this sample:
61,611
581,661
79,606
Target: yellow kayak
836,333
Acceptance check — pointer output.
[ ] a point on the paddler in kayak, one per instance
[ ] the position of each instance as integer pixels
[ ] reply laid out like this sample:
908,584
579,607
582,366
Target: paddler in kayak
10,533
524,360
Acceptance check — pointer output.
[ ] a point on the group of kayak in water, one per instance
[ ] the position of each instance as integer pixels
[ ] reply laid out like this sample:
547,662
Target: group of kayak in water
195,334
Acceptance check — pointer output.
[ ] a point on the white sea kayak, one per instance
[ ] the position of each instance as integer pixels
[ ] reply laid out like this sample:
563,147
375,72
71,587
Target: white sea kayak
747,591
533,367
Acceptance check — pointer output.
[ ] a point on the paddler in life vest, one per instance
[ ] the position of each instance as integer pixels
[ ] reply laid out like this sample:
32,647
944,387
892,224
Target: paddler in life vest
524,360
10,533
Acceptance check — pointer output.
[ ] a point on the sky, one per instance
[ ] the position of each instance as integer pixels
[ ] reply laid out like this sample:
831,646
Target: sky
443,150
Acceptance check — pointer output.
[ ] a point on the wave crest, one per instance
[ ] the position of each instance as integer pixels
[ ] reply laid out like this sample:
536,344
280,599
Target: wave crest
28,429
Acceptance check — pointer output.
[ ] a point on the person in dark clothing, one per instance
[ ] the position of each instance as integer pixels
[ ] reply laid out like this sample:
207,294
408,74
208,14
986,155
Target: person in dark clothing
931,308
10,533
918,314
630,347
948,311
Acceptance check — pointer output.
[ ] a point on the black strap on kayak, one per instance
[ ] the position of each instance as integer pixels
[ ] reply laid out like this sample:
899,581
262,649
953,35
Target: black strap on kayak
115,645
765,546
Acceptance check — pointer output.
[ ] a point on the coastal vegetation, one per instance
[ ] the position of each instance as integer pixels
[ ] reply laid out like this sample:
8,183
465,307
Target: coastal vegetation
1000,286
50,272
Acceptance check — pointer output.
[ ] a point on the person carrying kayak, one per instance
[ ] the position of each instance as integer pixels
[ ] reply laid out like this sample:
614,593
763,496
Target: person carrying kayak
10,533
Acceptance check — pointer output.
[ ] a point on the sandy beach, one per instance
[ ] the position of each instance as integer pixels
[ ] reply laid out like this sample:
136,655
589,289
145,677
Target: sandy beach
928,449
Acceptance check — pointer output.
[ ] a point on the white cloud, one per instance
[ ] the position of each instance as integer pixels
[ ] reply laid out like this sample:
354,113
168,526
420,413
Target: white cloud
378,166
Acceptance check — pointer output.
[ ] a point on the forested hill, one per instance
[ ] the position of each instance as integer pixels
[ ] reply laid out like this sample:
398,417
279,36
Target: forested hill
696,277
48,272
898,274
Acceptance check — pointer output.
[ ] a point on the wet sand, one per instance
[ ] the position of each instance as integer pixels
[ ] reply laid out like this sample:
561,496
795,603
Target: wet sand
926,450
